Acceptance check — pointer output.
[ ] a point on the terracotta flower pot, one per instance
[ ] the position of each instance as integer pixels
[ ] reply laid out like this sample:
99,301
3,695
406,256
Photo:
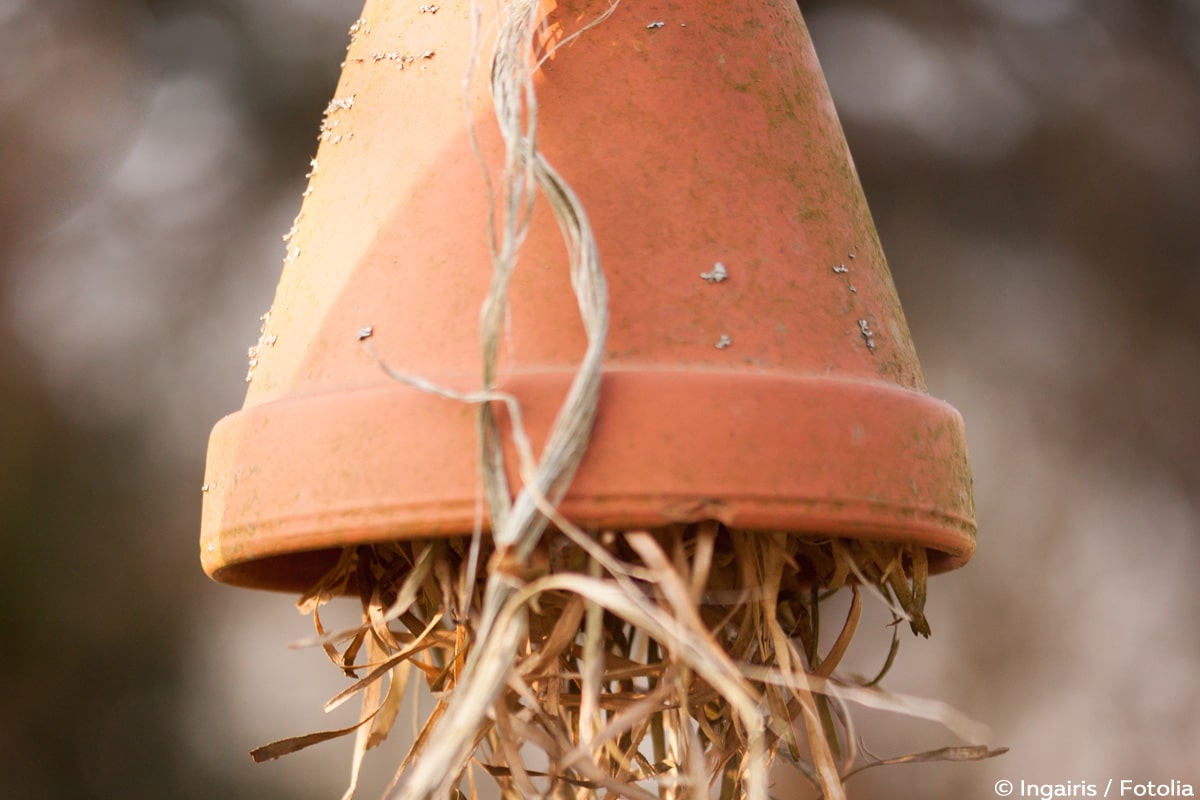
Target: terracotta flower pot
759,367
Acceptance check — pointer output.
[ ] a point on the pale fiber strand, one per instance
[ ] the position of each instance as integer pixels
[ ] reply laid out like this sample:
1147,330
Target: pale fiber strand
517,527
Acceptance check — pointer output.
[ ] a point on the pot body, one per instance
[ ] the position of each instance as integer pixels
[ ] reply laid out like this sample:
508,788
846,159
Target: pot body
778,391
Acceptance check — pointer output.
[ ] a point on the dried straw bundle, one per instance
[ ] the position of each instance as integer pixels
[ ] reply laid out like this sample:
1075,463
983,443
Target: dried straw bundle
663,664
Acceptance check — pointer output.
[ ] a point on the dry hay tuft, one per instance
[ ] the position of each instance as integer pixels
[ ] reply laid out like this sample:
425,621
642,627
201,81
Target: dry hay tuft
648,663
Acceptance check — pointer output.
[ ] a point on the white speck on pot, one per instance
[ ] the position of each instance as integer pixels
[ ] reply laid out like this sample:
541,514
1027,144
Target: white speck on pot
263,341
340,104
365,332
291,234
327,127
724,341
841,269
717,274
655,24
428,9
868,337
359,27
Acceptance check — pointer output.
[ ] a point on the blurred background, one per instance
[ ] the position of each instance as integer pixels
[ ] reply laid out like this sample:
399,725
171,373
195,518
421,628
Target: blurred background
1034,171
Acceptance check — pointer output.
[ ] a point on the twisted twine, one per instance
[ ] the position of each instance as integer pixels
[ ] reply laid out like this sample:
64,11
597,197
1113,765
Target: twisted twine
518,524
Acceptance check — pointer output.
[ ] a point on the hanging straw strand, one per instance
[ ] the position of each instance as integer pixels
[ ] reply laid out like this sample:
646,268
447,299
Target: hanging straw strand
518,527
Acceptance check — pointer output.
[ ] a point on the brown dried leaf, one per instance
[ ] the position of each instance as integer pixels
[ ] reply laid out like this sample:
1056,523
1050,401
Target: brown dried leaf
422,642
362,738
292,744
390,709
838,650
962,753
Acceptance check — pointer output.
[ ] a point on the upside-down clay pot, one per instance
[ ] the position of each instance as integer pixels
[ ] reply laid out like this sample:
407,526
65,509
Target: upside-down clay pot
786,396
